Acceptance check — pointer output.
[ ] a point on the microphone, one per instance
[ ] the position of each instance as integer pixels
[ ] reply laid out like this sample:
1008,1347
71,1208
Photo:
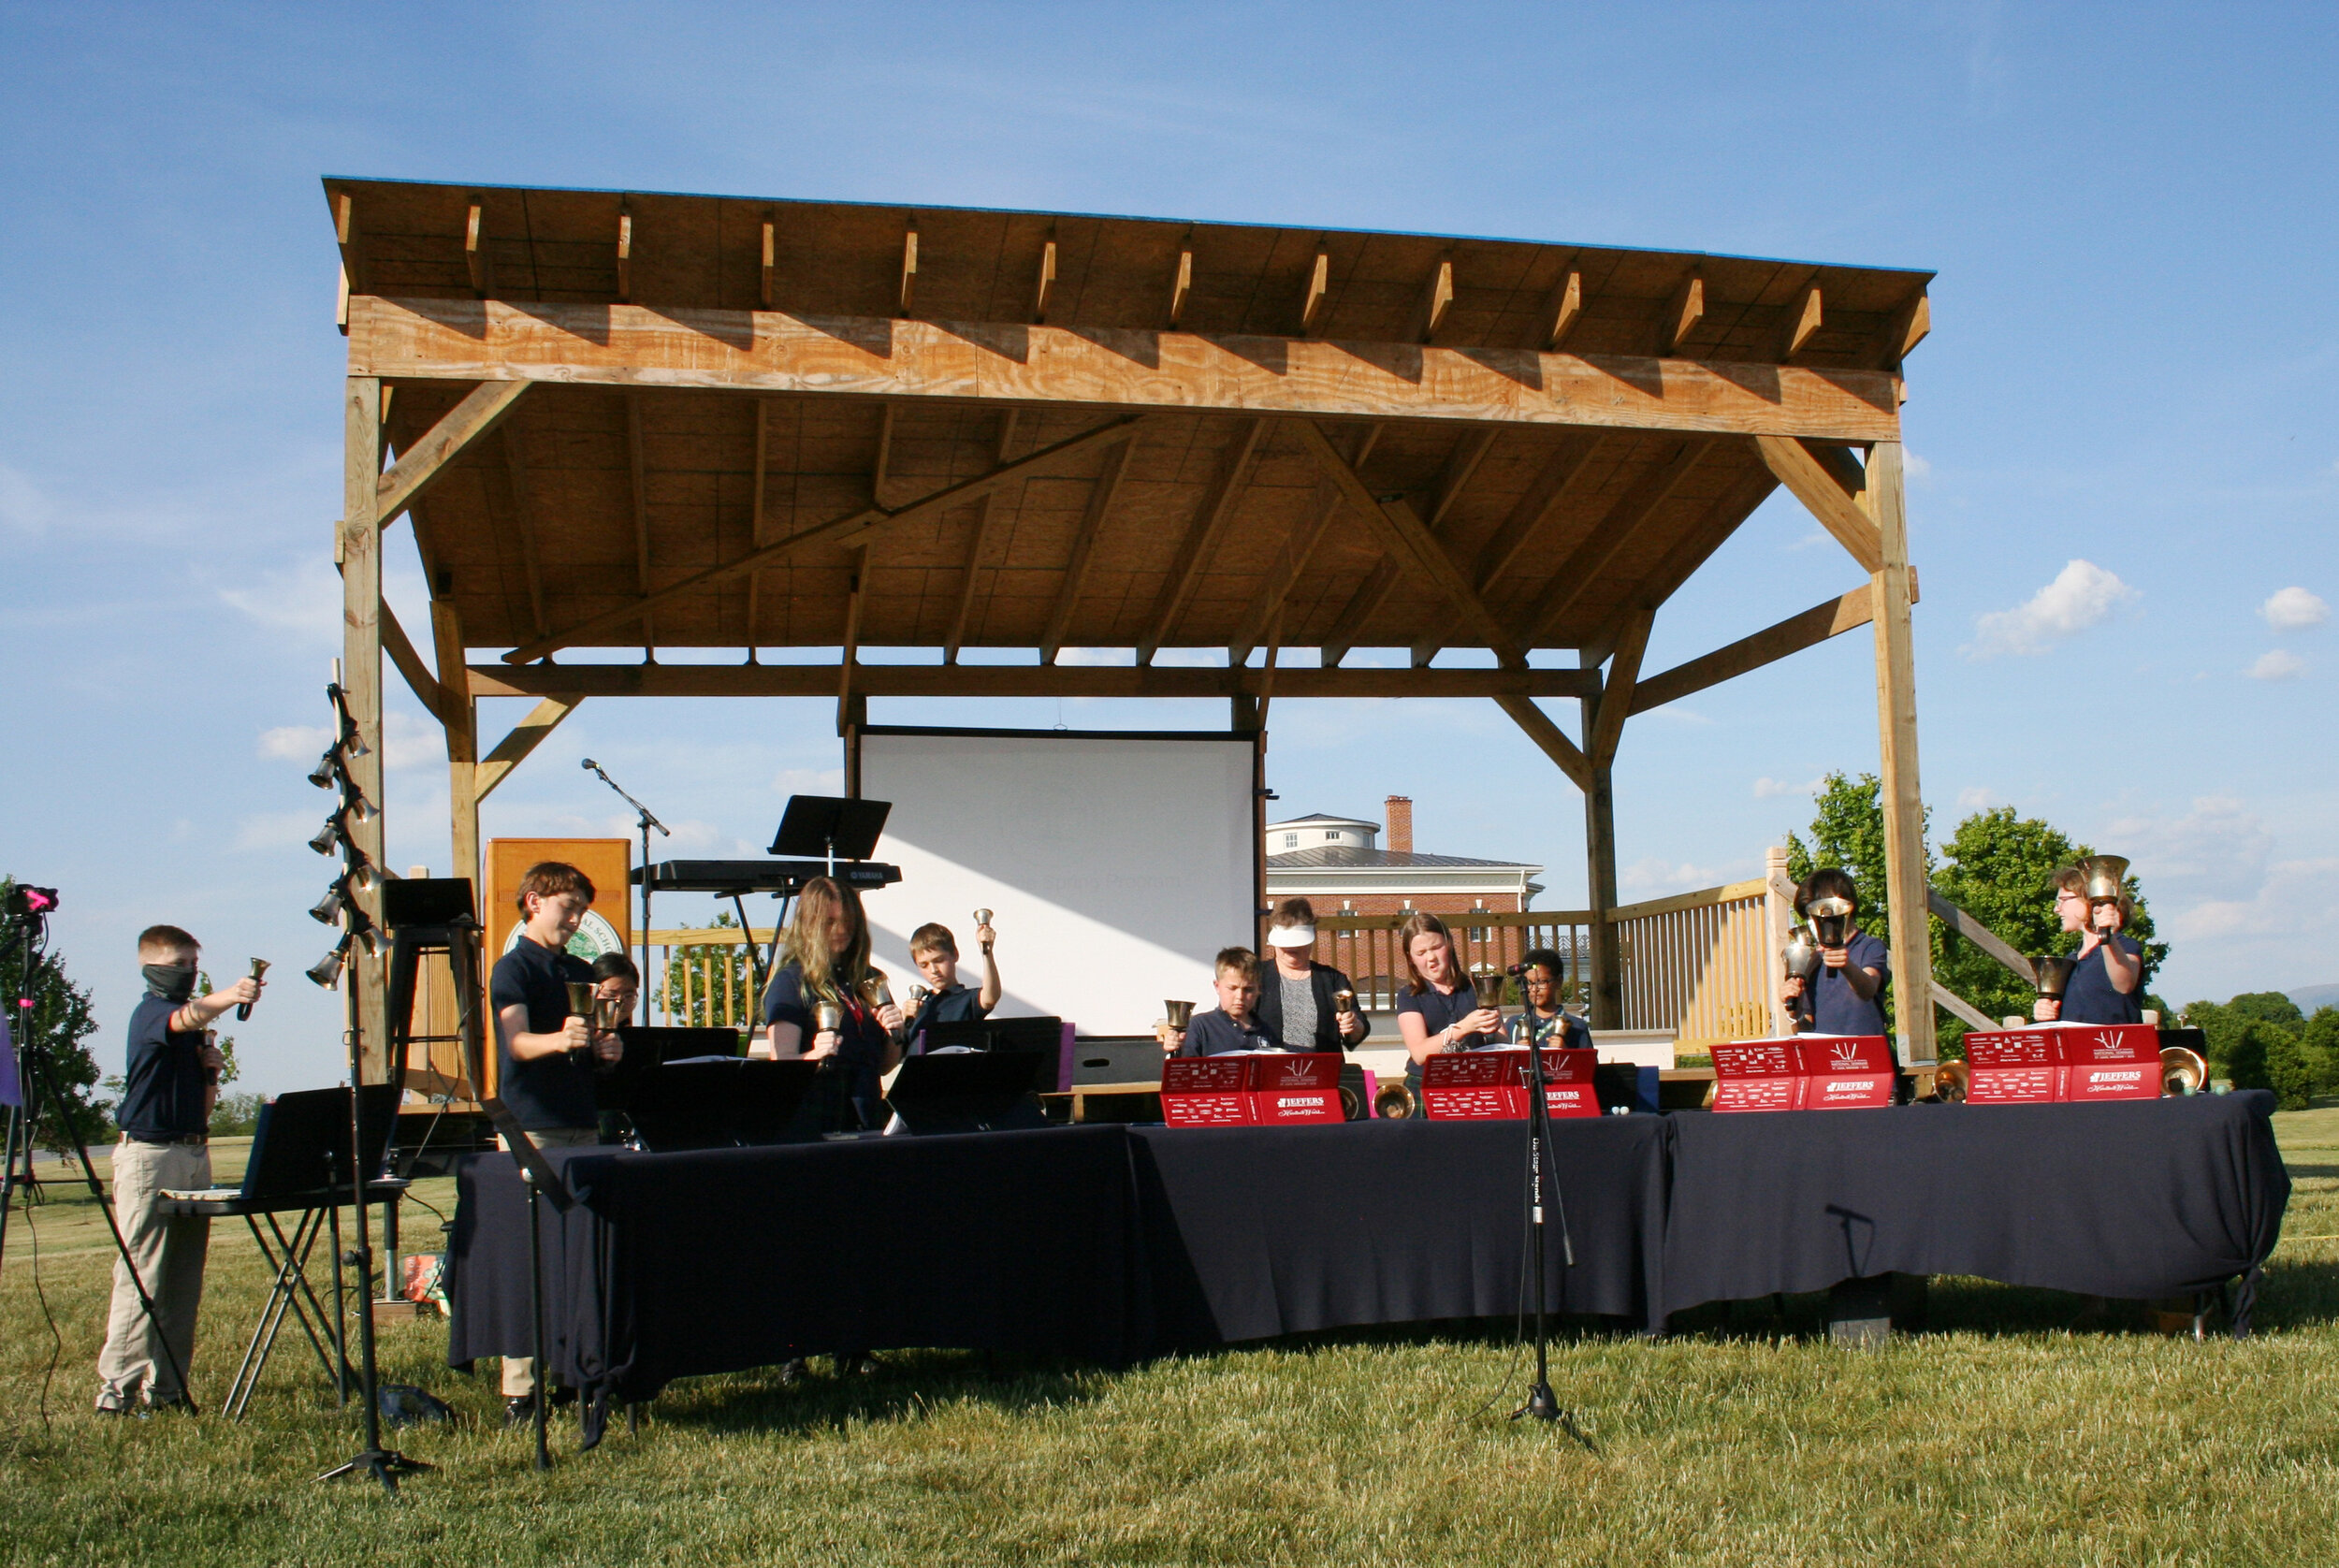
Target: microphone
1515,970
591,766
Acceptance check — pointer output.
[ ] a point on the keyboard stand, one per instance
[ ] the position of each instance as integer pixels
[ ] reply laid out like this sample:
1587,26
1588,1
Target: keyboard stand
288,1259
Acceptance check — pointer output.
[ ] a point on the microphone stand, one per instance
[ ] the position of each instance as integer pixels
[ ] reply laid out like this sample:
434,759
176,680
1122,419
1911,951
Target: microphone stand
648,821
1542,1403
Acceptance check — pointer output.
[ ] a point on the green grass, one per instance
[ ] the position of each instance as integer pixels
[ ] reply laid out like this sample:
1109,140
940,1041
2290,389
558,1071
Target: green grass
2002,1437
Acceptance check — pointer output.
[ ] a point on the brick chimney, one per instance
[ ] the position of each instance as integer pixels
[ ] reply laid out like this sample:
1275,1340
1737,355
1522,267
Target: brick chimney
1400,834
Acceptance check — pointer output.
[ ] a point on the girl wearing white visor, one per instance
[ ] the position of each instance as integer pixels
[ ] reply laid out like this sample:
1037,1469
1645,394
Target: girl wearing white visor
1306,1005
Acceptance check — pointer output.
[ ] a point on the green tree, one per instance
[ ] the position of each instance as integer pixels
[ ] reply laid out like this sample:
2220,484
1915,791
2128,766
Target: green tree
2224,1025
59,1020
1848,831
2266,1055
2321,1041
709,983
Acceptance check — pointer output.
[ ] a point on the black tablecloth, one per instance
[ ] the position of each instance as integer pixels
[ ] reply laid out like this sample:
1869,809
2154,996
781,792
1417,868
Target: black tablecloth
1114,1243
2132,1199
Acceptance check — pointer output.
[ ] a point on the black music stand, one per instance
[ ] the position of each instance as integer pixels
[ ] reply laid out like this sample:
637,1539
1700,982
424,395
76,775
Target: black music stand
301,1164
647,1048
1043,1036
538,1176
426,915
731,1103
971,1091
831,826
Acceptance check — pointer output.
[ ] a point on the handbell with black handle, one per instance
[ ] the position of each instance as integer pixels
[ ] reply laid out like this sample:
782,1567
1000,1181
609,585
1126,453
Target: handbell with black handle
259,969
2054,975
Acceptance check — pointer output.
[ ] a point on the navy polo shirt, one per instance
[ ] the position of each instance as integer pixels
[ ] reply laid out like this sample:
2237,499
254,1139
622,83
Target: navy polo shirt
1835,1008
1563,1031
162,1087
960,1004
2090,998
1440,1012
1214,1033
547,1091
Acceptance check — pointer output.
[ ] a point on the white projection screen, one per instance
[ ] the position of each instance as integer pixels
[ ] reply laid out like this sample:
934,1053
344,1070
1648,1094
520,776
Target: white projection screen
1114,865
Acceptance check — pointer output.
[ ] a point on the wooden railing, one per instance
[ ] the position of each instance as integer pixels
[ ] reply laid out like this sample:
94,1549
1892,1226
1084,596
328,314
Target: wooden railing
701,976
1700,964
1364,948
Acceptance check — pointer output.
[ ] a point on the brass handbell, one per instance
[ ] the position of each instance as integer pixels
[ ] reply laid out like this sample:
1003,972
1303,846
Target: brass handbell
1180,1014
2182,1070
1801,954
2104,875
1831,919
581,999
2054,974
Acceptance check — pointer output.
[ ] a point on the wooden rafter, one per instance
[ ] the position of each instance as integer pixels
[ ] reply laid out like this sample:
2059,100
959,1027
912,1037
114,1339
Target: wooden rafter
909,274
1406,538
1437,298
1544,731
1544,493
1683,312
1833,617
524,524
1559,317
881,481
1014,680
1092,524
1046,285
1267,605
1699,541
422,464
849,529
749,351
1202,537
1804,319
637,469
475,253
1615,694
850,654
459,718
977,544
419,676
1818,485
1181,286
1909,326
757,535
771,259
1609,536
1460,464
624,254
525,737
1319,290
1362,606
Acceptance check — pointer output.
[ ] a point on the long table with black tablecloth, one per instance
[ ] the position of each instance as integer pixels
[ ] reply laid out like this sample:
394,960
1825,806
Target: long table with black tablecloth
1114,1243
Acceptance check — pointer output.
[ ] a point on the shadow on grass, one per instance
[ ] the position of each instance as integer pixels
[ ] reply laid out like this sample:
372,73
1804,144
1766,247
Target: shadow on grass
905,1386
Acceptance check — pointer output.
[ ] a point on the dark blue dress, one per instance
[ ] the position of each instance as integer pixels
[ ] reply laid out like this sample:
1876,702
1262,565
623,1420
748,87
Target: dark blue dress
1835,1008
2090,998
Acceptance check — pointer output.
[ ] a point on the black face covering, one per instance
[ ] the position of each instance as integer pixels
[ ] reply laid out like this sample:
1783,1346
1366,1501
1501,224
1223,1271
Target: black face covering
168,981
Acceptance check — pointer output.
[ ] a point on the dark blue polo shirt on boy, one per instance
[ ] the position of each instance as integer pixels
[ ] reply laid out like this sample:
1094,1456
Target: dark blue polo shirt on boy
1835,1008
960,1004
1214,1034
555,1091
162,1087
2090,998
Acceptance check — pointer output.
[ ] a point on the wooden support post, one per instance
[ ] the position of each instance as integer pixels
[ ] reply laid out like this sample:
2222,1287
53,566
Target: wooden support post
851,649
361,684
1902,798
458,713
1607,973
1778,915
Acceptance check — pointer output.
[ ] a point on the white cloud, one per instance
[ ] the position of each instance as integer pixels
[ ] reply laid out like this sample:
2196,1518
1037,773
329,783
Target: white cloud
1977,797
2294,895
1658,878
2080,596
1094,657
295,743
2217,850
23,508
808,781
2277,664
2294,609
408,742
278,830
305,599
1769,788
1917,469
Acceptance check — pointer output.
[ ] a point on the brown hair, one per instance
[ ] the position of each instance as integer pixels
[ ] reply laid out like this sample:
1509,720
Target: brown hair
165,938
827,974
932,936
1828,881
550,879
1235,958
1423,924
1293,912
2069,878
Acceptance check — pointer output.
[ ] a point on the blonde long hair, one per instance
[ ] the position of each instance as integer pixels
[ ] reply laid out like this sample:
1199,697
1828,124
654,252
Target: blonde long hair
823,901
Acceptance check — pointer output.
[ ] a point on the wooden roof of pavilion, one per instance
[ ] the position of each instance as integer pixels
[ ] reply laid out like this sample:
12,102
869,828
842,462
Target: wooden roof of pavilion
1571,429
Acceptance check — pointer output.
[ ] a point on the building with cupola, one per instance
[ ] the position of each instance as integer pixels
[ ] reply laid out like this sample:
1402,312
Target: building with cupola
1354,865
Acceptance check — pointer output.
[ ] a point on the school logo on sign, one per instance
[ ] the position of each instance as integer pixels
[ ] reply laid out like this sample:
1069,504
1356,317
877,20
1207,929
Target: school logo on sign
1847,1057
594,936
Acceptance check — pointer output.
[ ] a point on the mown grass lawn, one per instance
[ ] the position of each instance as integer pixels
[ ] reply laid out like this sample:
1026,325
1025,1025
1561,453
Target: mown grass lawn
2001,1437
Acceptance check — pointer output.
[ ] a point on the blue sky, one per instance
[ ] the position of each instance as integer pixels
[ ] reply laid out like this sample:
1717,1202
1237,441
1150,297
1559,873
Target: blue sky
2130,208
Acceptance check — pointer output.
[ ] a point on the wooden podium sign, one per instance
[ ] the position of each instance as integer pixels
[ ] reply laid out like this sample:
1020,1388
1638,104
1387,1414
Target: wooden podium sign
607,864
1266,1090
1807,1073
2056,1063
1492,1085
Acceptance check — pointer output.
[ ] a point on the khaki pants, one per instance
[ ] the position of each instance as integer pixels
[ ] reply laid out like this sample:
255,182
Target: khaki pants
168,1252
519,1372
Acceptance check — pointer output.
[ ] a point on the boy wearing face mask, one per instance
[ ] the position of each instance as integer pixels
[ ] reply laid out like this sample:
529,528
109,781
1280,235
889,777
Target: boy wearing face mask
169,1084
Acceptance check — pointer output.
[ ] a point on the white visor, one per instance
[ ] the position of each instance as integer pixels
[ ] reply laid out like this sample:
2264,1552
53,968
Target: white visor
1291,936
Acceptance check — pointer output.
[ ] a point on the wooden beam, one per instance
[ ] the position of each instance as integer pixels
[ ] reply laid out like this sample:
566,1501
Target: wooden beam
1406,538
1616,530
758,535
1083,543
1319,290
1561,314
625,255
1047,282
1980,936
770,351
475,253
910,273
346,238
1901,795
879,489
978,543
1548,734
360,556
1817,487
1437,298
1201,538
1460,464
524,524
1015,680
1544,493
638,469
525,737
848,655
1803,324
1949,1001
1682,314
1702,538
459,717
1297,551
425,462
1615,694
1830,618
1362,606
1180,286
1908,327
845,531
771,261
401,651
